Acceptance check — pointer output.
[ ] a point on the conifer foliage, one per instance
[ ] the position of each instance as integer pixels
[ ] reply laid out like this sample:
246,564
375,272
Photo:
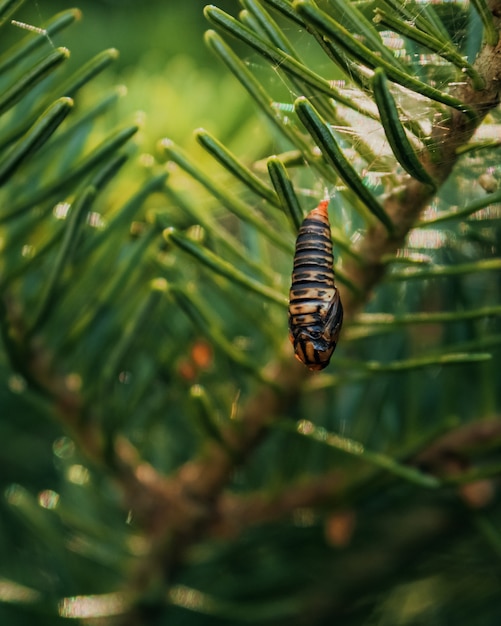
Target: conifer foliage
164,458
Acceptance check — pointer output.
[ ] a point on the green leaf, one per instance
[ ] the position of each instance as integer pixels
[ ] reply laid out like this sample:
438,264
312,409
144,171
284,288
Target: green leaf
204,320
100,180
123,218
439,317
265,102
66,251
490,29
235,167
222,267
395,132
41,132
356,22
88,71
269,26
329,27
324,138
232,245
285,191
307,429
76,132
31,78
422,16
33,41
206,415
459,214
242,210
285,7
443,48
283,61
99,155
132,331
450,358
436,271
7,8
128,268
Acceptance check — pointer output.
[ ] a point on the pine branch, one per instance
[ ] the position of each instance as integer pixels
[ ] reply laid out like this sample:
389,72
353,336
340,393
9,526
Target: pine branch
193,501
207,476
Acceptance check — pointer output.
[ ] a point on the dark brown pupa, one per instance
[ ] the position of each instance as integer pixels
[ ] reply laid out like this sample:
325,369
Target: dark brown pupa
315,309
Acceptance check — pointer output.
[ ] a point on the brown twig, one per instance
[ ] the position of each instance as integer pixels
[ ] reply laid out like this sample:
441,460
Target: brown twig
236,513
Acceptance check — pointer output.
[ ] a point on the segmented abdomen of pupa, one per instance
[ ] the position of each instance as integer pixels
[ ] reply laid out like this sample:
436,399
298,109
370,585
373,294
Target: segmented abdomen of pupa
312,287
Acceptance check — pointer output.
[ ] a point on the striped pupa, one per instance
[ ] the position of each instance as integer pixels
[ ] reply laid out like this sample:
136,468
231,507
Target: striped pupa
315,309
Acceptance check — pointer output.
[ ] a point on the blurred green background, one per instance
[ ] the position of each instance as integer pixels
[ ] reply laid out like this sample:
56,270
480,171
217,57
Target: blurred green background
163,61
161,27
